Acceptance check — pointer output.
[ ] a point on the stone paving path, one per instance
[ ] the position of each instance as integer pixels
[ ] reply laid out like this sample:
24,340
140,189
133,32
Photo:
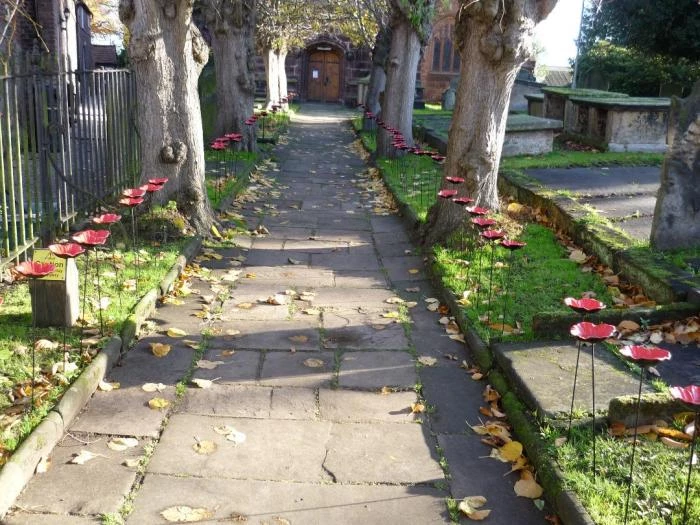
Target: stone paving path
323,444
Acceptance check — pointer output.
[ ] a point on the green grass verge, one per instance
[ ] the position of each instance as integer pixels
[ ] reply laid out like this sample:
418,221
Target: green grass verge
658,491
527,273
560,158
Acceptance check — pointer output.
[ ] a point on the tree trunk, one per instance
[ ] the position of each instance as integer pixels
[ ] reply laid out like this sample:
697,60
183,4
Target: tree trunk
494,38
167,55
377,77
282,76
402,63
272,76
676,221
232,25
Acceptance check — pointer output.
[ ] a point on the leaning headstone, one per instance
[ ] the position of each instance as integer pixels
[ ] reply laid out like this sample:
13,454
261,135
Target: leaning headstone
448,99
676,221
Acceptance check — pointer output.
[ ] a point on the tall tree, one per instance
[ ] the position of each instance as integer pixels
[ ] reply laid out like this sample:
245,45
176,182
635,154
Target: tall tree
232,27
494,38
167,54
281,24
676,221
410,30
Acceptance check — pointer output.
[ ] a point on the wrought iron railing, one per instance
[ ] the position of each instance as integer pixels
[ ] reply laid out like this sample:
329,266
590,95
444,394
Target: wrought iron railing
68,141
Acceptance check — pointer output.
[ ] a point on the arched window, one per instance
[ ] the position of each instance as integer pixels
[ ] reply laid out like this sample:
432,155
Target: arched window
445,57
436,54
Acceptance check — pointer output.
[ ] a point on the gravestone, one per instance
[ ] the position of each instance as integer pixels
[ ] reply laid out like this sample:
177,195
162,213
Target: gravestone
449,96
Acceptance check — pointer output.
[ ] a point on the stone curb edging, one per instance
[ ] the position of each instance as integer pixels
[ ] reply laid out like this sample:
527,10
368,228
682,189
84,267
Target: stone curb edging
20,468
600,240
565,502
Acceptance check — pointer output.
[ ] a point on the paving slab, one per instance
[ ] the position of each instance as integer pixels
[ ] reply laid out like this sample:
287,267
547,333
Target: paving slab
396,249
278,258
382,453
393,237
362,333
404,268
344,406
344,261
239,368
123,412
302,335
360,279
638,228
543,373
273,450
295,503
67,488
288,276
616,206
472,474
374,370
227,400
455,396
347,297
293,403
305,369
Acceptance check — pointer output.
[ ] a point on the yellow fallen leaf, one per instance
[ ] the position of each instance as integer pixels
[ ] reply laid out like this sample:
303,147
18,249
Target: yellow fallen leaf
477,376
215,231
515,208
299,338
628,326
153,387
511,451
185,514
527,487
160,349
204,447
672,443
426,360
417,408
391,315
227,353
519,464
312,362
245,306
158,403
176,332
468,506
414,271
202,383
578,256
106,386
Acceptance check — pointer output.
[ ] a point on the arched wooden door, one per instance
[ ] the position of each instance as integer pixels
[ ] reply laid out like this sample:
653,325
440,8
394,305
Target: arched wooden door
324,76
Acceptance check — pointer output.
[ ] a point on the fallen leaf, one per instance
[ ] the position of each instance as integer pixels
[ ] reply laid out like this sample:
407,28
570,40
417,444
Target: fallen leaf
83,457
468,506
616,428
208,365
457,337
160,349
204,447
426,360
527,487
158,403
671,433
227,353
417,408
176,332
628,326
45,344
105,386
477,376
560,441
578,256
131,462
277,299
313,362
299,338
202,383
233,332
490,394
413,271
236,437
391,315
245,306
311,311
394,300
511,451
119,444
153,387
185,514
413,289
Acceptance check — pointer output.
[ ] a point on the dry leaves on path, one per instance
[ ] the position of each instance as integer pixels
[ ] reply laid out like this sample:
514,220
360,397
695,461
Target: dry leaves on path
470,506
185,514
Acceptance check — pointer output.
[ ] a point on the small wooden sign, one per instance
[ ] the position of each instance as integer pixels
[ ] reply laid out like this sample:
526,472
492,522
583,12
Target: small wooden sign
44,255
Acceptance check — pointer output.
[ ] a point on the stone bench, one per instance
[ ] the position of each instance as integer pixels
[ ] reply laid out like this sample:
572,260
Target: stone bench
525,134
558,106
622,124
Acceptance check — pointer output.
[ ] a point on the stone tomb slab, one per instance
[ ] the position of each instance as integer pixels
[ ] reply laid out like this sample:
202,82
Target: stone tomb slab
543,373
67,488
296,503
273,449
374,370
472,474
382,453
239,368
305,369
349,406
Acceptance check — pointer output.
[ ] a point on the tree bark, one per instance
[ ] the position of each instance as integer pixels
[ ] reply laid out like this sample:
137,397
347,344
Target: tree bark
399,92
282,76
377,76
494,38
676,222
232,25
167,55
271,59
